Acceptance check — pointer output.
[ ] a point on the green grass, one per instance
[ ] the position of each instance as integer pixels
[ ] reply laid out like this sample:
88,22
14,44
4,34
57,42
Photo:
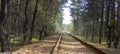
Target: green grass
15,40
96,40
35,39
18,39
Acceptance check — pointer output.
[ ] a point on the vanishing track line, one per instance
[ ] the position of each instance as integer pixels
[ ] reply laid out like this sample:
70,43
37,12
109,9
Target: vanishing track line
58,46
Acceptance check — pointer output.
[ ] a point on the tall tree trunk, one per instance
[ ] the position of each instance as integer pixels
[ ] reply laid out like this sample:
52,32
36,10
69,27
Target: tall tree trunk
101,23
113,35
25,36
94,19
3,37
34,17
118,26
40,35
108,30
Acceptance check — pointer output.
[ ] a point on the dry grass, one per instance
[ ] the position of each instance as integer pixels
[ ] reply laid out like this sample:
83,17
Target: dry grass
43,47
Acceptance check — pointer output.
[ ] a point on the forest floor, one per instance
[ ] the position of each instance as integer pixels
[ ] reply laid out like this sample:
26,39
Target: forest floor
43,47
101,47
68,46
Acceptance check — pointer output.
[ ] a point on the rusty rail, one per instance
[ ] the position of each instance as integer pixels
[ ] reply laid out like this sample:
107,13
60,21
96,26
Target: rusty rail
57,45
98,51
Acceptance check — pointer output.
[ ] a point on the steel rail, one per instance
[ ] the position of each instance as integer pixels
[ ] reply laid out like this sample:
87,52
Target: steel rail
98,51
57,45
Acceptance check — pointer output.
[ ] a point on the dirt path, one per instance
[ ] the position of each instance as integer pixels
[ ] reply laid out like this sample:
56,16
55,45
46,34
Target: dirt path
43,47
71,46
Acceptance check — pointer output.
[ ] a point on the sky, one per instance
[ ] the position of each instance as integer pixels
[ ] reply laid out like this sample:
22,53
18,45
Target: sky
66,14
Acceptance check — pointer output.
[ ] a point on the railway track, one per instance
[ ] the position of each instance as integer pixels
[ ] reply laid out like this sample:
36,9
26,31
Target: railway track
66,45
57,46
96,50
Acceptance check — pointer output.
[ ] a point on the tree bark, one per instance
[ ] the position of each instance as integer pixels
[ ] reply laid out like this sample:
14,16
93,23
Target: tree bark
32,24
101,23
94,19
118,26
108,30
3,37
25,36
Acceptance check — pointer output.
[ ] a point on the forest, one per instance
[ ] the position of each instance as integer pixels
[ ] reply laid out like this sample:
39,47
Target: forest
23,22
98,20
20,20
